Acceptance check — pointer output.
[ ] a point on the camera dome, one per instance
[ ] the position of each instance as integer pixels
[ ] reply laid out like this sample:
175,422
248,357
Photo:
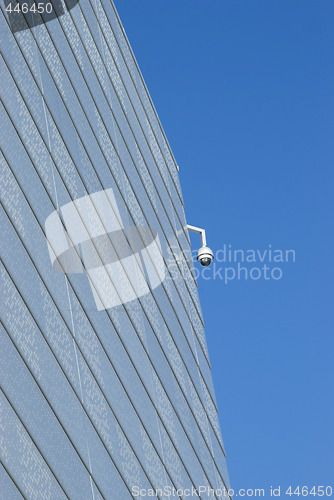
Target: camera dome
205,261
205,256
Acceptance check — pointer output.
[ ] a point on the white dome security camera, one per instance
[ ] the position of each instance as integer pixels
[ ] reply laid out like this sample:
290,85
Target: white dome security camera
204,254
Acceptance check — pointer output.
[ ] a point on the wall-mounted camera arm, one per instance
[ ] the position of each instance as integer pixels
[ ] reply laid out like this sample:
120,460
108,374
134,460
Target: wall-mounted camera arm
200,231
204,254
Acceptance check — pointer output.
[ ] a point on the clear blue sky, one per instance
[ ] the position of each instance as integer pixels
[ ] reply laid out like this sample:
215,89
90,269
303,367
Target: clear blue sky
245,93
